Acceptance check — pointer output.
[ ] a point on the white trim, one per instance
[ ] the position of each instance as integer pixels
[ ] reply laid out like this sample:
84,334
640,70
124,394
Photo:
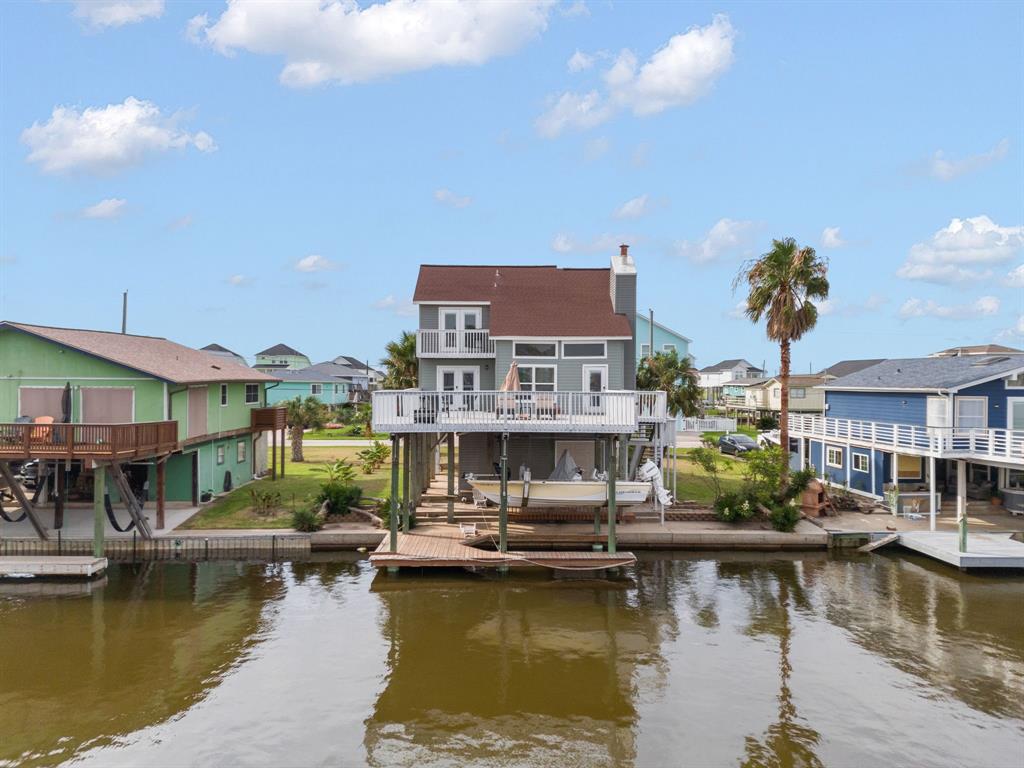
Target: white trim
534,366
460,312
828,463
224,394
553,342
665,348
987,379
602,356
895,390
1009,410
603,367
457,370
314,393
562,338
853,464
947,417
245,393
1007,385
966,398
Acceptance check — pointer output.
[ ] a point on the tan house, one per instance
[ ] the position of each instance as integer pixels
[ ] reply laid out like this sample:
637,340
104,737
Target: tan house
805,395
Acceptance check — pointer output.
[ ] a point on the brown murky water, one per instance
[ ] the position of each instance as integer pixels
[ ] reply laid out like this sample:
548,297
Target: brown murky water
682,661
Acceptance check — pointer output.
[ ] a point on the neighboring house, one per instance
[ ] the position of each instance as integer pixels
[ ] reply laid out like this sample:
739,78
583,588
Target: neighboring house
977,349
746,394
280,357
805,394
665,339
846,367
919,422
219,351
373,376
356,378
134,380
713,377
308,382
571,333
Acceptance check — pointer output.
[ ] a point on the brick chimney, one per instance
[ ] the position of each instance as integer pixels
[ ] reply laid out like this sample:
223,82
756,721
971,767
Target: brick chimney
623,294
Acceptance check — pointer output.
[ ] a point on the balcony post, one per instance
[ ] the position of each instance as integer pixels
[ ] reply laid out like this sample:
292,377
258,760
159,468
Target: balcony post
99,512
961,503
396,446
161,491
406,499
612,500
931,493
451,477
503,506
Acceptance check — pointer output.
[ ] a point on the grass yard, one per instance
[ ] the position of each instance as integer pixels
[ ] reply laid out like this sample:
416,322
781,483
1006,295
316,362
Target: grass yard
742,429
692,481
297,488
340,433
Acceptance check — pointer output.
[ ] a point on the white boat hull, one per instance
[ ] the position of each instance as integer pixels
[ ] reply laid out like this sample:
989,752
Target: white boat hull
560,493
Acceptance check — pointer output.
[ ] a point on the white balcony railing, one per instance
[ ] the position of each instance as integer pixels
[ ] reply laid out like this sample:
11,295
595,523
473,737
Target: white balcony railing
947,442
603,412
464,343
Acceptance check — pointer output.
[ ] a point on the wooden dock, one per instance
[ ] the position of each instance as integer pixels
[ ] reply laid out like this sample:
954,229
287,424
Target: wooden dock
984,550
61,567
445,546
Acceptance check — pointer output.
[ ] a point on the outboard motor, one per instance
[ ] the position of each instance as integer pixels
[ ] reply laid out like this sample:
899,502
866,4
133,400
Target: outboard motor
650,472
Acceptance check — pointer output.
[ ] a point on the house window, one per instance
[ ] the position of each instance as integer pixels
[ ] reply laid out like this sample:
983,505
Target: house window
252,394
937,414
1015,479
971,412
645,350
977,474
584,349
860,462
535,349
223,394
1015,382
537,378
220,454
910,467
833,457
668,347
240,451
316,389
798,393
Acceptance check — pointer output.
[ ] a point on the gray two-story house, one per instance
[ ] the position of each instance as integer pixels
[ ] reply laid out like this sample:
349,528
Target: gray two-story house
570,334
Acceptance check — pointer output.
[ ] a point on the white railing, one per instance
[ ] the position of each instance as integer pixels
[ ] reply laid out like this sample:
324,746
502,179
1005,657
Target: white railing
709,424
1003,444
464,343
604,412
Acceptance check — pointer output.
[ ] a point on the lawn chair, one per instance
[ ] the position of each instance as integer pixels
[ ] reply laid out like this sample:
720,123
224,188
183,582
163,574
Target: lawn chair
468,529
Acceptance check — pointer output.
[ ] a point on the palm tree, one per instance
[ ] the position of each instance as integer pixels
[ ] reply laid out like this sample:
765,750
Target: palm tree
782,284
400,366
666,371
304,414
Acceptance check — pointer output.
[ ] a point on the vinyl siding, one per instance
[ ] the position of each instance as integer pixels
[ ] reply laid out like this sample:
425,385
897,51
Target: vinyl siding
569,372
997,394
886,407
430,316
429,366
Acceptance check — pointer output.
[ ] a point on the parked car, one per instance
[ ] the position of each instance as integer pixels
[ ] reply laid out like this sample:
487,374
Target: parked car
30,473
737,445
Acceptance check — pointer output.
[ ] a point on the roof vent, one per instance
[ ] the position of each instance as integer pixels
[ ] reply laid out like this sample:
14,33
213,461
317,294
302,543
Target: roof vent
989,361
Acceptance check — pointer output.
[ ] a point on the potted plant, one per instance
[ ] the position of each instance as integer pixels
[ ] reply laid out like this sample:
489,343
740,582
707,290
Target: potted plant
996,499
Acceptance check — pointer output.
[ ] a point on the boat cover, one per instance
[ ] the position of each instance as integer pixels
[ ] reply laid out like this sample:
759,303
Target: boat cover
650,472
566,468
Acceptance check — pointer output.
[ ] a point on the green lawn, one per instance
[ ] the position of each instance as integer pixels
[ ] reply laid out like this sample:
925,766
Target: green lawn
298,487
742,429
692,482
340,433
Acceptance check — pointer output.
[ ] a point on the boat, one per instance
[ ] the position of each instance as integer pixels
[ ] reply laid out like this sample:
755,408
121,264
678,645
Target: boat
562,493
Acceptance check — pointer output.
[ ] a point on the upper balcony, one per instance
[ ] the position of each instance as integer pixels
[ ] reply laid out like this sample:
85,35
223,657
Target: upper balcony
454,343
548,412
20,441
1002,445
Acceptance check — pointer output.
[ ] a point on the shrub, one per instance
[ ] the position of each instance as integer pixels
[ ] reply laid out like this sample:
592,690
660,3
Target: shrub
784,517
264,502
798,482
339,496
764,472
307,520
383,511
767,422
374,457
735,507
707,459
339,471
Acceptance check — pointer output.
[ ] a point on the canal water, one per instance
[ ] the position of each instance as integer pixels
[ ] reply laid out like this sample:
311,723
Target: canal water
681,661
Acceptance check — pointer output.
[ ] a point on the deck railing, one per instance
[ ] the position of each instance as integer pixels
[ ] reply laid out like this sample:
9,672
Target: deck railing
76,441
458,343
952,442
605,412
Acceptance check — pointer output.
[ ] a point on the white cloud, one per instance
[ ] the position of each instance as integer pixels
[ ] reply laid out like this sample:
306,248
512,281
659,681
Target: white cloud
575,9
110,208
447,197
982,307
959,252
338,41
675,75
106,139
632,209
830,238
315,263
1015,277
565,243
100,14
596,148
238,280
1014,332
580,61
839,308
402,308
945,169
739,311
725,237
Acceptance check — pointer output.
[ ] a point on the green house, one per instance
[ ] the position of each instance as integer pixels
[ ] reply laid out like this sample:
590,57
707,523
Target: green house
139,402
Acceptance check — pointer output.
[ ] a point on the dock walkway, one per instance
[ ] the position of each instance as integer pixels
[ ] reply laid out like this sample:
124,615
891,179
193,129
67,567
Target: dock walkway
60,567
984,550
445,546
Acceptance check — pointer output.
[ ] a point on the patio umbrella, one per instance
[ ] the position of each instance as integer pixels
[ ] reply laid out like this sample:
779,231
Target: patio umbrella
65,404
511,382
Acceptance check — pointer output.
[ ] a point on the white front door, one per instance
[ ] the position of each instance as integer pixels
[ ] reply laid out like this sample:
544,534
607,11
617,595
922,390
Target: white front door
461,378
595,379
455,321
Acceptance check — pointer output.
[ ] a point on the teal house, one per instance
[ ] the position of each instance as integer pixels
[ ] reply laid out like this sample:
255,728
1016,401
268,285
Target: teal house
329,390
665,339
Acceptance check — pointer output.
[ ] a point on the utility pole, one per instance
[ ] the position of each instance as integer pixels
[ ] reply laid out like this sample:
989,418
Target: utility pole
124,313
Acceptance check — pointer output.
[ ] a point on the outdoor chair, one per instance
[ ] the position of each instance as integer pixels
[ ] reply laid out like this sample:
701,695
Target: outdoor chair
467,529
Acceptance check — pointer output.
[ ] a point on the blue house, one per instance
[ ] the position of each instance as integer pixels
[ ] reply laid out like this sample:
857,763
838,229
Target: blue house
304,383
934,427
665,339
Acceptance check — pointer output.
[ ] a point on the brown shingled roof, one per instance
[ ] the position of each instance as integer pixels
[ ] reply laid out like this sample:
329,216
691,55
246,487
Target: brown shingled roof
530,301
152,355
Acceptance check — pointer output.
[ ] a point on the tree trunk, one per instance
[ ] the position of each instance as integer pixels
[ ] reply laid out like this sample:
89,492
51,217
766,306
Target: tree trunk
297,444
784,407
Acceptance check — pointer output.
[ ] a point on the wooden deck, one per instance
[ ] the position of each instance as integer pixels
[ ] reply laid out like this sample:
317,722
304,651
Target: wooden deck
984,550
66,567
445,546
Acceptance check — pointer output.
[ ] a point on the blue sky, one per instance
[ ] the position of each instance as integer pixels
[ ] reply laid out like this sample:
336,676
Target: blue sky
275,172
